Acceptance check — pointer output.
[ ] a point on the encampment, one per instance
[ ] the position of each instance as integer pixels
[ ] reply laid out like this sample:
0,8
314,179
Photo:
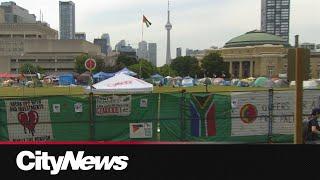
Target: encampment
126,71
66,79
121,83
260,82
188,82
281,83
102,76
218,81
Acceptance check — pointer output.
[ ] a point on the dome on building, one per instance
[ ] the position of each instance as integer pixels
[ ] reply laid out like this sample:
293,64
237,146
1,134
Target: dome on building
254,38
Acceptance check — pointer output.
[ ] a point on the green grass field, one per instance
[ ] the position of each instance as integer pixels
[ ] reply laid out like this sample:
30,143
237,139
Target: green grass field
43,91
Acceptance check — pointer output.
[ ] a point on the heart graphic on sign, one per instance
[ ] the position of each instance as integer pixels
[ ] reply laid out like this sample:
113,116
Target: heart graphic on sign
29,121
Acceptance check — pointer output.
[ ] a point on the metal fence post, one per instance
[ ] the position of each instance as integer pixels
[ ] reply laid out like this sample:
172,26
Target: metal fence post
270,116
182,117
158,118
91,115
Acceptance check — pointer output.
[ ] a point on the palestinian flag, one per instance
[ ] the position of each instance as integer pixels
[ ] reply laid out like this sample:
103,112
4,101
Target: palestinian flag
145,20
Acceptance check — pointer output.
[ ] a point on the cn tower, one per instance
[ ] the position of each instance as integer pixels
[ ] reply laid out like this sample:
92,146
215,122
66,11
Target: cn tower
168,28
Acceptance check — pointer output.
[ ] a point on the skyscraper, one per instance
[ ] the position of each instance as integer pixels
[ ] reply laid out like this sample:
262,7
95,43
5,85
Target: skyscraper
107,38
189,52
16,14
103,45
275,17
119,45
67,20
81,36
168,28
153,53
2,20
179,52
142,51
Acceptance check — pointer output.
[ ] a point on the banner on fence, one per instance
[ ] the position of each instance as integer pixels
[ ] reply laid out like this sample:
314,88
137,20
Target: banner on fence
249,114
203,115
113,105
284,107
29,120
140,130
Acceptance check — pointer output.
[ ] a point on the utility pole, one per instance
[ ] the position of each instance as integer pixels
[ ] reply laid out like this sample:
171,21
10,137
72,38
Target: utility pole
299,97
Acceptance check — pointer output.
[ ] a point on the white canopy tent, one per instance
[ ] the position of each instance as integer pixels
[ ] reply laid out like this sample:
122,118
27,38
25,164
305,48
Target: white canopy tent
119,84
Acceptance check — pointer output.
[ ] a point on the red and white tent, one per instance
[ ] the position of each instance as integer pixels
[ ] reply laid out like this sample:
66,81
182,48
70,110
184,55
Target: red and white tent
8,75
121,83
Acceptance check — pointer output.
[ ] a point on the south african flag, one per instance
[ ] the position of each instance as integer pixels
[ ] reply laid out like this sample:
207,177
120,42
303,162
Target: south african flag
203,116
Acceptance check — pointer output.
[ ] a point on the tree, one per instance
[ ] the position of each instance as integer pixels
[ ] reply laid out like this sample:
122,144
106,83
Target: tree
147,69
80,67
126,60
186,66
213,64
166,70
30,69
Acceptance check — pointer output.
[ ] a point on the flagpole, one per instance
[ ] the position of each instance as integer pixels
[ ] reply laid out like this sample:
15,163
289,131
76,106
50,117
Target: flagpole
142,30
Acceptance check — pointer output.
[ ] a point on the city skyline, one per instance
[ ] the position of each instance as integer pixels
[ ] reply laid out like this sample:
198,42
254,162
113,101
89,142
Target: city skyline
213,21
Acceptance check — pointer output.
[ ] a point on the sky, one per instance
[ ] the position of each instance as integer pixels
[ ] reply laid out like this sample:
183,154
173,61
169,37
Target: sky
197,24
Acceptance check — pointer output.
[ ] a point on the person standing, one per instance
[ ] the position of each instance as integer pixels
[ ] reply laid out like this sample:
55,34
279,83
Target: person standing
313,128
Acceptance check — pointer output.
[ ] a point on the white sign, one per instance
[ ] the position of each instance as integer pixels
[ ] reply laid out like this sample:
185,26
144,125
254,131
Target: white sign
140,130
251,115
113,105
28,120
248,114
56,108
78,107
144,103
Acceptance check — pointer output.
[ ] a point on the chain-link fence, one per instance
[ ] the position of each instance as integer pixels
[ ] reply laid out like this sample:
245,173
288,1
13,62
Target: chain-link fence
248,117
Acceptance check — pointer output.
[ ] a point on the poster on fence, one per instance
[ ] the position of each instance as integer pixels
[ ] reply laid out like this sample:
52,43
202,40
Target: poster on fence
284,107
113,105
140,130
28,120
78,108
250,113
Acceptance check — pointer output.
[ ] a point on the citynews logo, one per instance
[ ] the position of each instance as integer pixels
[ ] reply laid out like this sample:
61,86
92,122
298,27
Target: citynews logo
42,161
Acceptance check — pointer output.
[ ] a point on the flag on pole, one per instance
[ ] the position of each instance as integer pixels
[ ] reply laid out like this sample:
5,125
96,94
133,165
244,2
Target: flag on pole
145,20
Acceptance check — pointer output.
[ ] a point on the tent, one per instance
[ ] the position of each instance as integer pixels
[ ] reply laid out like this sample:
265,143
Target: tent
156,76
102,76
84,78
312,84
205,81
234,82
268,84
121,83
66,79
8,75
260,82
188,82
281,83
126,71
218,81
157,79
243,83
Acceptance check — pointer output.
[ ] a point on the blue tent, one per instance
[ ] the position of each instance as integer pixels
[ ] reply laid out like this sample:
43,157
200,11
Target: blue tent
102,76
66,79
188,82
127,72
156,76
